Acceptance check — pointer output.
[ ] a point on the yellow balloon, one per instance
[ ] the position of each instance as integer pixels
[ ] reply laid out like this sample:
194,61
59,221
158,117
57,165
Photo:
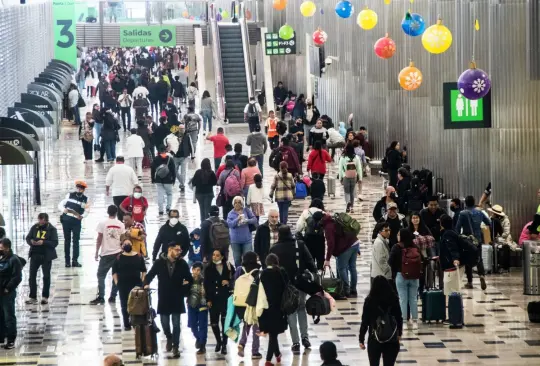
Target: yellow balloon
437,38
225,14
367,19
308,8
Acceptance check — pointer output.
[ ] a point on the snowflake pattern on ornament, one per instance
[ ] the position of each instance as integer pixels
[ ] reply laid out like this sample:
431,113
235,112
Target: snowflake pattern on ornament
413,80
479,85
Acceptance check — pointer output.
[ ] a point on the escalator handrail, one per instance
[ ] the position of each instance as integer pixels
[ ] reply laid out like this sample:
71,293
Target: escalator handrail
218,68
245,45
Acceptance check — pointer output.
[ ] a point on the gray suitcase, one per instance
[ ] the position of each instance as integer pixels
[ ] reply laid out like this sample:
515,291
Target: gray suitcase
487,257
331,186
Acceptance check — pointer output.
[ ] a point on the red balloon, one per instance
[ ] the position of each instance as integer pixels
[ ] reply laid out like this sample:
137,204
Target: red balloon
385,47
319,37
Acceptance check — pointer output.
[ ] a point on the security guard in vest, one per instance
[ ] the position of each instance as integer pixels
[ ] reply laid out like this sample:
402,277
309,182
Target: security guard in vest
74,207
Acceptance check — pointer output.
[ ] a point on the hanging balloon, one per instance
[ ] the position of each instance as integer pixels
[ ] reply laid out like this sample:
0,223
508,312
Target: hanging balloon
279,4
437,38
387,2
344,9
185,14
219,18
286,32
410,78
367,19
248,15
308,9
474,83
413,24
225,14
385,47
319,37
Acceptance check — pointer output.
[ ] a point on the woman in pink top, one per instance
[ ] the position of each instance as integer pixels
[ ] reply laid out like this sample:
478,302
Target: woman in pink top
248,174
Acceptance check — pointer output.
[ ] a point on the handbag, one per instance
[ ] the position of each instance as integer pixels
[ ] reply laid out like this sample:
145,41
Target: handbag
80,102
88,136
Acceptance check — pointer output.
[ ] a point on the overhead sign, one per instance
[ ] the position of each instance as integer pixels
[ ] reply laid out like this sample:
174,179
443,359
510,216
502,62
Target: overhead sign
460,112
33,117
148,35
14,155
275,46
65,47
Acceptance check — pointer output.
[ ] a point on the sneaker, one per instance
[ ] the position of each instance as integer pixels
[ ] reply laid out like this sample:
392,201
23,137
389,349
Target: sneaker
112,299
168,346
353,294
100,160
240,350
44,301
76,264
256,356
468,286
483,284
31,301
9,345
295,348
278,358
98,301
405,325
182,189
160,213
224,349
197,344
201,350
414,325
175,352
68,265
127,328
306,343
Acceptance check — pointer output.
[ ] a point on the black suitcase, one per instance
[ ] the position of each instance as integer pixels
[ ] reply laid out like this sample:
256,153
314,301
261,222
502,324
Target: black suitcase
533,309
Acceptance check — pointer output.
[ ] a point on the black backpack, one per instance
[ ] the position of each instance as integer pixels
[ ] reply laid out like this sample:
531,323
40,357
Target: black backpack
277,159
385,327
468,253
318,305
313,227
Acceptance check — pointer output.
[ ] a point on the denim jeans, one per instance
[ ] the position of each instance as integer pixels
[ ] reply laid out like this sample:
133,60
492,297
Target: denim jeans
207,117
205,201
8,321
97,133
166,320
110,149
126,111
407,291
349,188
81,85
35,263
245,333
105,265
71,225
164,190
198,323
299,320
283,207
194,135
345,263
76,114
260,162
239,249
180,164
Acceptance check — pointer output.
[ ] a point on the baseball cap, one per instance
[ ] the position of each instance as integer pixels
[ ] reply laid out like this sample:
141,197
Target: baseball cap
391,205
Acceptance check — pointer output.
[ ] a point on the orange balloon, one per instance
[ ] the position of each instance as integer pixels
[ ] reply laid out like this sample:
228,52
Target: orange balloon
280,4
410,78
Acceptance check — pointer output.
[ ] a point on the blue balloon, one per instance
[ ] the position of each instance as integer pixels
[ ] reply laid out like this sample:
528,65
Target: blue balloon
344,9
413,24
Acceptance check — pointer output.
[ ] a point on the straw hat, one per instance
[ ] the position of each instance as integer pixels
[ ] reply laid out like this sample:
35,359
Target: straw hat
497,210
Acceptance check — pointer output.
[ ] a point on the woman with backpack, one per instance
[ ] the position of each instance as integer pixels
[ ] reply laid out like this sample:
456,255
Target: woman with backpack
240,220
406,263
217,287
229,187
283,190
350,172
310,227
381,304
203,182
317,160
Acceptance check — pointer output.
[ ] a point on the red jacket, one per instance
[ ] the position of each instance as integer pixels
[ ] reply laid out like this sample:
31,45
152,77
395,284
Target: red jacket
317,163
337,240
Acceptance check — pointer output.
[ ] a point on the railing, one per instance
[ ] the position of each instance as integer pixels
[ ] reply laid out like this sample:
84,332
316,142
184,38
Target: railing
247,53
216,52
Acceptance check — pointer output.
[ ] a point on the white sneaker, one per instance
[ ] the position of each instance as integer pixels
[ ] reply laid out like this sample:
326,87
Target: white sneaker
405,325
414,325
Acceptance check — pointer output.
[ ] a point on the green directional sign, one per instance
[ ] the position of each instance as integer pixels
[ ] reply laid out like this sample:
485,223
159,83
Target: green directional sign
460,112
148,35
65,45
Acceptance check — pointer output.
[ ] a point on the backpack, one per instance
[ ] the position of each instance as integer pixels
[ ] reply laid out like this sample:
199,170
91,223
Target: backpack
385,328
277,159
289,301
290,105
347,223
468,254
281,128
242,286
411,263
138,303
219,234
313,227
192,123
301,190
252,113
318,305
163,170
350,169
232,186
237,162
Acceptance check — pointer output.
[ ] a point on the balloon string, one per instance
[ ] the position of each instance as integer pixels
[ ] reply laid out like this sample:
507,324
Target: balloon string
474,32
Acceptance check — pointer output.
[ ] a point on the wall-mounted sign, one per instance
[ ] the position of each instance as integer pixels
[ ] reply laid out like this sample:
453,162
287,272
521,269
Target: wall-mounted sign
65,47
25,127
275,46
148,35
14,155
460,112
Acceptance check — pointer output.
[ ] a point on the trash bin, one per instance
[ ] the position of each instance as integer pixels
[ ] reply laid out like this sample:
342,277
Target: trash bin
531,267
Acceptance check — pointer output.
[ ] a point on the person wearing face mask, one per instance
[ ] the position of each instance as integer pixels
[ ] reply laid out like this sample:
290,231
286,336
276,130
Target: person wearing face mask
74,208
128,272
163,176
380,208
136,205
456,207
43,240
10,278
171,232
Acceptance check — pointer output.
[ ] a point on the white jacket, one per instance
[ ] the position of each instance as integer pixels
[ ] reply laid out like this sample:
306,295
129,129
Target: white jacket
379,260
334,137
122,179
134,147
301,223
172,142
255,195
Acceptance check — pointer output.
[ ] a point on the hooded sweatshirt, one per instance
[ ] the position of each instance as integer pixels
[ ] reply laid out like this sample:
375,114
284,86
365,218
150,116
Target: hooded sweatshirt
167,234
342,129
195,254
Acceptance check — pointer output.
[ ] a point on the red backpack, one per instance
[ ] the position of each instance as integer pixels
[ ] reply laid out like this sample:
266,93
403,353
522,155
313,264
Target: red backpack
411,262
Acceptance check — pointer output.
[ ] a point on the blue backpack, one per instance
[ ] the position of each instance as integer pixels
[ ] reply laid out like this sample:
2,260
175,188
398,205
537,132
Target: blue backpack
301,190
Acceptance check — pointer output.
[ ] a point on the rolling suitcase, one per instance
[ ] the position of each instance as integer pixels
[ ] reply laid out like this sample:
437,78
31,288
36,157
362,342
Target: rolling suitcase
533,309
145,340
487,257
331,185
433,300
455,310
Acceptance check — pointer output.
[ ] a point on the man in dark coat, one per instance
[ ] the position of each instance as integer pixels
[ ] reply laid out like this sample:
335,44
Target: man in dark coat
395,220
10,279
174,281
430,217
267,235
171,232
207,247
43,240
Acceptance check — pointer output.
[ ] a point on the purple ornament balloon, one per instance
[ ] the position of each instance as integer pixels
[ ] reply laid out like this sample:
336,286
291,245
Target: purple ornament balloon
474,83
219,17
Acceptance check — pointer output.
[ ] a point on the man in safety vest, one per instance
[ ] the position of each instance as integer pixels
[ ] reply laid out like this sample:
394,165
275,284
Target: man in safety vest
271,130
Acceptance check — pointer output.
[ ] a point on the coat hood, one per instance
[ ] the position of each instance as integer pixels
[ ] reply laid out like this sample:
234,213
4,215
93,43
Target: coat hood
196,231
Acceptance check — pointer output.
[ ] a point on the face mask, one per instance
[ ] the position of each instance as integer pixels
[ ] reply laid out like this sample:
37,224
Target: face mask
137,195
127,248
453,208
217,262
173,221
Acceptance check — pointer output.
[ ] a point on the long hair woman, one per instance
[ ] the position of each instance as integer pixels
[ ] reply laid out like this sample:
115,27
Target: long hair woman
382,299
425,241
350,172
208,110
317,160
394,160
204,181
255,196
283,190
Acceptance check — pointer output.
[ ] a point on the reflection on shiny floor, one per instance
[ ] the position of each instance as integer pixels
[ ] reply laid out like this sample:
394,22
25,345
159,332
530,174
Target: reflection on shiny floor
71,332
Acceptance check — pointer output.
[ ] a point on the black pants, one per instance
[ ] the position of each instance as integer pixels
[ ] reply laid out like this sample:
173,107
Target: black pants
88,148
273,346
35,263
154,110
126,111
479,266
71,225
123,291
218,311
389,352
252,125
8,318
315,245
162,104
227,207
117,200
274,142
392,176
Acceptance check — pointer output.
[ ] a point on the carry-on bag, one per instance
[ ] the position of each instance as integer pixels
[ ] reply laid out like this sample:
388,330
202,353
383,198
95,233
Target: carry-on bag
433,299
318,305
533,309
455,310
487,257
331,186
146,340
333,285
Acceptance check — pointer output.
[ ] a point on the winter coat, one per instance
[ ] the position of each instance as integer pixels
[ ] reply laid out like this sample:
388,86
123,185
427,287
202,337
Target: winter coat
145,135
134,147
283,188
240,233
337,240
216,292
334,137
49,235
110,127
262,240
394,159
396,224
171,141
185,148
195,253
204,183
292,158
171,289
168,234
286,252
10,272
274,281
395,259
158,160
449,249
380,256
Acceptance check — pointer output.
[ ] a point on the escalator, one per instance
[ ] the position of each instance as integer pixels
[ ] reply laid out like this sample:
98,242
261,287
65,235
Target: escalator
235,86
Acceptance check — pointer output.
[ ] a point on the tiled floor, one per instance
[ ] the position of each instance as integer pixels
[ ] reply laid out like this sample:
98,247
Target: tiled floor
71,332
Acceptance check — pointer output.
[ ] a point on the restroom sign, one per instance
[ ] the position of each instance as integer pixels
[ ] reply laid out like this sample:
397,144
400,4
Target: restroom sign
275,46
460,112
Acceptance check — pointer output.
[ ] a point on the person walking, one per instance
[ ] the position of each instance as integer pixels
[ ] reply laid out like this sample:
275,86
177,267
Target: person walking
283,190
255,196
229,188
43,240
134,231
192,95
208,111
128,271
108,246
73,99
271,130
257,141
220,141
310,227
267,234
214,235
193,126
163,176
174,282
135,146
173,231
239,220
136,205
125,101
86,135
350,172
10,279
252,114
120,182
74,208
382,302
317,160
247,176
183,152
203,182
109,134
198,308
